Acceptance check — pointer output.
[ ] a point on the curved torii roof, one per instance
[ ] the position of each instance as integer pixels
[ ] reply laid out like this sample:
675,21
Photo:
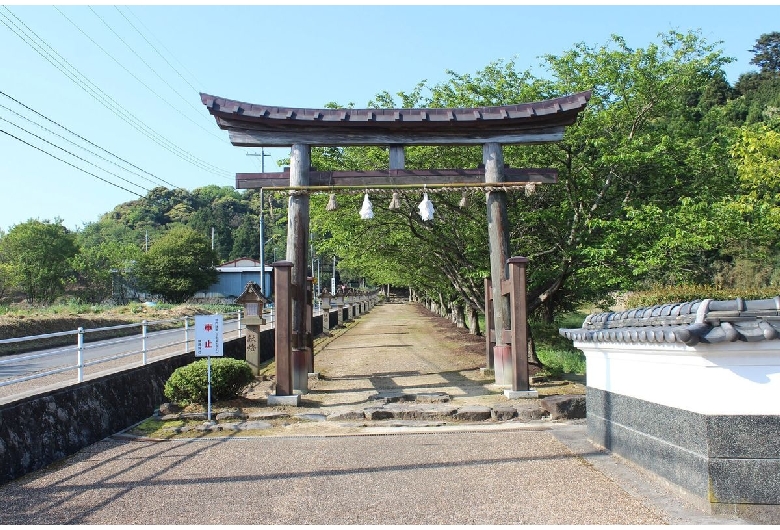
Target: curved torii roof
253,125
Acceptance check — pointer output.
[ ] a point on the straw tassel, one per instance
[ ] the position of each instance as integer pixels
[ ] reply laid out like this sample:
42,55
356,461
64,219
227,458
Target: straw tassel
395,202
463,201
332,206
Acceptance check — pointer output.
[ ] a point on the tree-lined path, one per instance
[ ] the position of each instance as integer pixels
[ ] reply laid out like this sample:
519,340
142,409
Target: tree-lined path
404,348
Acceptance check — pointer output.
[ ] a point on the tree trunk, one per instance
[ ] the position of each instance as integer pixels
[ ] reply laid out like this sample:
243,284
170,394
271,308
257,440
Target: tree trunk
474,321
532,357
459,315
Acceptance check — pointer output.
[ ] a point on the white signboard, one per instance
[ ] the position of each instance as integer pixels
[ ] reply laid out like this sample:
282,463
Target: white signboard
333,285
208,336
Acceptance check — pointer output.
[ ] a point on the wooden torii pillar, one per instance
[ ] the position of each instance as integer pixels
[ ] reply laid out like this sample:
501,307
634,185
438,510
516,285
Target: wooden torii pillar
253,125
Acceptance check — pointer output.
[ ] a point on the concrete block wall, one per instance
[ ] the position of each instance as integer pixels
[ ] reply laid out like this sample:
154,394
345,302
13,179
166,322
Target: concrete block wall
706,418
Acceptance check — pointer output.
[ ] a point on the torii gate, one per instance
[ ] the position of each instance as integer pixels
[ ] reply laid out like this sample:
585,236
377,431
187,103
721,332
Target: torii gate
253,125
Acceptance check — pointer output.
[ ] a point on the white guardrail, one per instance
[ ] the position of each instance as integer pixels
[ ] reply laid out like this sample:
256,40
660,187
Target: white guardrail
136,345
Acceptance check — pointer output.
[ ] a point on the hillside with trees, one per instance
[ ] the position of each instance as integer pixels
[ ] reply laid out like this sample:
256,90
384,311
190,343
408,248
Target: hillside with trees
669,178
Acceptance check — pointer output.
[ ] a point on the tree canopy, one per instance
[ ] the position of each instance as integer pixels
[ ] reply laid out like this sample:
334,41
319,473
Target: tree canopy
179,264
36,256
767,52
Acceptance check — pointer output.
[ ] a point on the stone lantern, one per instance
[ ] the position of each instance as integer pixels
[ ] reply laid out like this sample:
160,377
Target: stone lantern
253,301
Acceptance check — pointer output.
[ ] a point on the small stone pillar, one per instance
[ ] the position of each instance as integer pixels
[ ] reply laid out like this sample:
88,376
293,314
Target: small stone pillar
338,300
325,304
348,304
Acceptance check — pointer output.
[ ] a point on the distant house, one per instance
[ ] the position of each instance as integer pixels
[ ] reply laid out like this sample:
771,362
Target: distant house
233,276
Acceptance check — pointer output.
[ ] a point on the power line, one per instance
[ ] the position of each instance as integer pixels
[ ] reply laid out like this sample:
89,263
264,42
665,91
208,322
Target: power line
73,154
155,49
89,142
72,165
150,89
100,96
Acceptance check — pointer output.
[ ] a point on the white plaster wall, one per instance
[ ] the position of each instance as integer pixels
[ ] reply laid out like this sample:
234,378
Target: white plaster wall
727,378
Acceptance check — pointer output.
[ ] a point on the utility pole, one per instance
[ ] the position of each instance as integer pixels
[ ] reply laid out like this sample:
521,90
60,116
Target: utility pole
262,154
262,245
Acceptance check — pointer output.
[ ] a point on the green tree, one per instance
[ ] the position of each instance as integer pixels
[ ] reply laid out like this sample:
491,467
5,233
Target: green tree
642,142
246,240
767,52
99,267
37,257
178,264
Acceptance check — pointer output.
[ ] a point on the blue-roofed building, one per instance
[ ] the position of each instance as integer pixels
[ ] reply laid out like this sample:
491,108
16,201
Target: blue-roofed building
233,276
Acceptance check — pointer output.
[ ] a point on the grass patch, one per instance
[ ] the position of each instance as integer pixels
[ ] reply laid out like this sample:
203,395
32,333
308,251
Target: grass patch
156,428
557,353
559,361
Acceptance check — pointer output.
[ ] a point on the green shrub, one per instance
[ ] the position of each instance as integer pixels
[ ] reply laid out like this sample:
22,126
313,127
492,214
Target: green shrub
189,384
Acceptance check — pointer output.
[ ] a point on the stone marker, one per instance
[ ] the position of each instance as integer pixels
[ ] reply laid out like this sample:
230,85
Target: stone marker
473,413
503,412
564,407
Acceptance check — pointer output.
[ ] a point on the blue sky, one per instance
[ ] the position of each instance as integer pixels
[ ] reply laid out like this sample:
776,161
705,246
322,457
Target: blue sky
299,56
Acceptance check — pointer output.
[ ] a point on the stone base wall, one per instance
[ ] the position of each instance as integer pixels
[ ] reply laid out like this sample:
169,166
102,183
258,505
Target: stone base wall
36,431
39,430
731,463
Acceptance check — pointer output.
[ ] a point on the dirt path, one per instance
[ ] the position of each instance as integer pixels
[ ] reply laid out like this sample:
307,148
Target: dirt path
398,347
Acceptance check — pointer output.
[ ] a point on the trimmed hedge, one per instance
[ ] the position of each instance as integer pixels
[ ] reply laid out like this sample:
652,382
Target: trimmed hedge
189,384
688,293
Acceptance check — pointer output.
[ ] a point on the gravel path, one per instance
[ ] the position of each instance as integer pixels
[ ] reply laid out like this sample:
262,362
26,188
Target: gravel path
513,473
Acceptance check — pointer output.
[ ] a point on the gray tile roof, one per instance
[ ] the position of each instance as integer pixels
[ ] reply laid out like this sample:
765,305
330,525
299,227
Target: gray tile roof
700,321
563,109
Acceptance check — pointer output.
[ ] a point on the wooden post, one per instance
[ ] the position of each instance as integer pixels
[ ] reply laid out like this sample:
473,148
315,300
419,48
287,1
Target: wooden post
308,325
298,239
283,327
517,267
498,236
397,158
